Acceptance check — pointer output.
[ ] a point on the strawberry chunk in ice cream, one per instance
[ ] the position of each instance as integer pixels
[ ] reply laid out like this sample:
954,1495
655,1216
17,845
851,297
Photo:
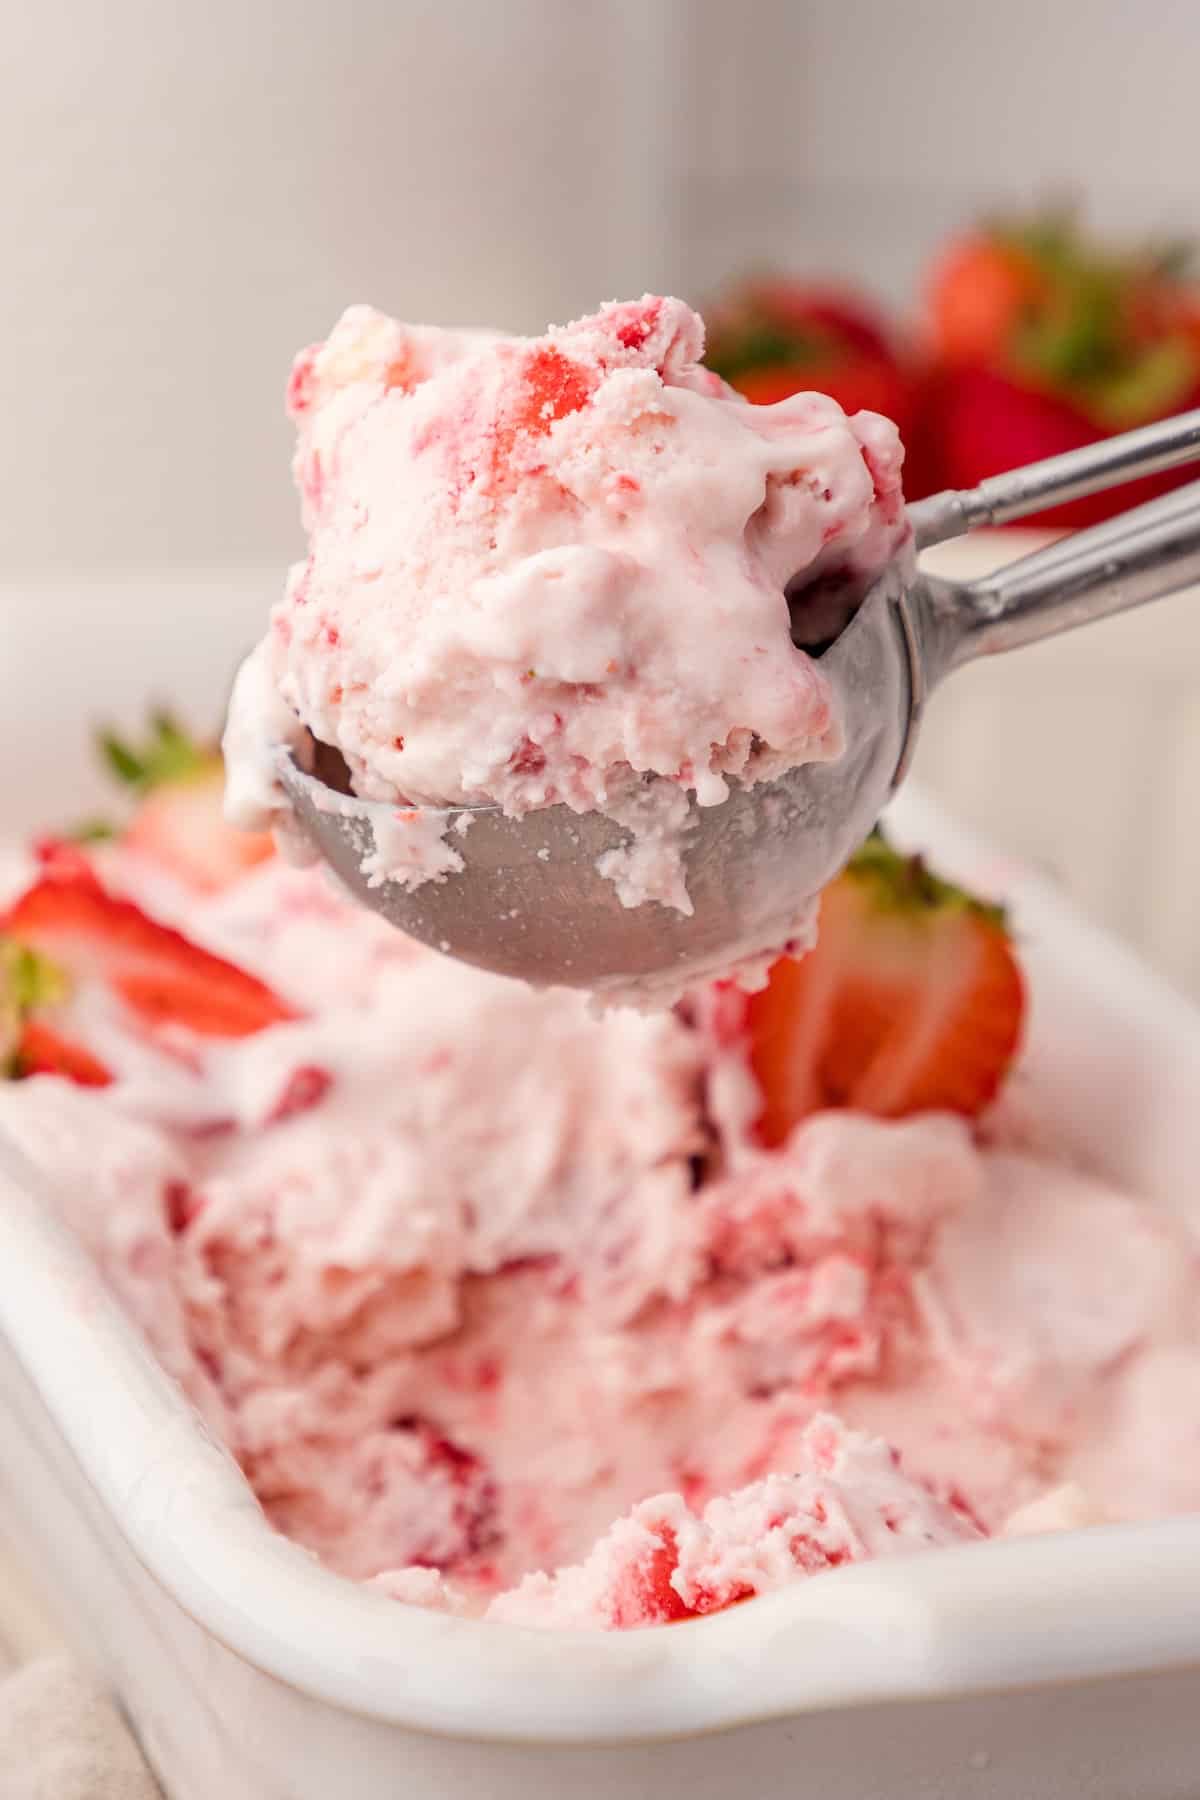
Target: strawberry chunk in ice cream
844,1500
557,570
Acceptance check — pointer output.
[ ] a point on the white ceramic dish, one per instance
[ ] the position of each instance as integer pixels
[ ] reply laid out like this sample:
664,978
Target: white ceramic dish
1064,1667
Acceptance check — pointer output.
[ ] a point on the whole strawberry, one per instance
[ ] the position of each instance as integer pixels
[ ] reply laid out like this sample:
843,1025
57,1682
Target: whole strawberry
1042,340
773,338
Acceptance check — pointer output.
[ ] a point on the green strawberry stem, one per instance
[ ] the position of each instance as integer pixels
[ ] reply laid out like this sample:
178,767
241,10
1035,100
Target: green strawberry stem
28,981
906,883
1080,335
169,754
761,344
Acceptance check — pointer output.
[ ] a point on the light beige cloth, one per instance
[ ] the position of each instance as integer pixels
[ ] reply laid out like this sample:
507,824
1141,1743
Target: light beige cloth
61,1738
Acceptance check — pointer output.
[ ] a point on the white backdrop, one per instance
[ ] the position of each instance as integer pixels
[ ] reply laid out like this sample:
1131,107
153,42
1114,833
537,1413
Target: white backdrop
852,134
188,193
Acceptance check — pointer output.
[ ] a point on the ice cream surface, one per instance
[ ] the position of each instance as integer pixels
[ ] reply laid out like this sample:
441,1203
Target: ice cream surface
500,1305
845,1500
556,570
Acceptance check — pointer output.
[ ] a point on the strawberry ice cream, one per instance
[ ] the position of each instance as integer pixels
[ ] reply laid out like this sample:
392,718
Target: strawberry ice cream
505,1307
556,570
847,1500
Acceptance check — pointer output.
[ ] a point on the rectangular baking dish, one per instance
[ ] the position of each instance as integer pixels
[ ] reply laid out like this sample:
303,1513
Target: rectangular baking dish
1060,1667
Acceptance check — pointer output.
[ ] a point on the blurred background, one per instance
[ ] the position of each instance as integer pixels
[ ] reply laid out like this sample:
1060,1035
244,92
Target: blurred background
189,194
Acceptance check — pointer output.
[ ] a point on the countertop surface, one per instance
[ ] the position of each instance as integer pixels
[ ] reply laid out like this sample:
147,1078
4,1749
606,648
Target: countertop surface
25,1629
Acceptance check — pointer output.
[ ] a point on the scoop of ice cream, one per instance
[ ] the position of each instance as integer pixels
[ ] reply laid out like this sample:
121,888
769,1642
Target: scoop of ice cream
546,570
847,1500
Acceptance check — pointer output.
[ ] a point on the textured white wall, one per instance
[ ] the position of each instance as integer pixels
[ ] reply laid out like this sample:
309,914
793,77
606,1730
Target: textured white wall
849,134
1082,755
188,193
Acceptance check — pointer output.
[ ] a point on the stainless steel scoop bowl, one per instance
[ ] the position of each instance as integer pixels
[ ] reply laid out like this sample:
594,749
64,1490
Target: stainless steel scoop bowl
529,901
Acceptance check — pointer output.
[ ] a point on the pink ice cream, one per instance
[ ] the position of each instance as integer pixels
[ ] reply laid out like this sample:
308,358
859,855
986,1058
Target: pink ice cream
845,1500
498,1304
554,570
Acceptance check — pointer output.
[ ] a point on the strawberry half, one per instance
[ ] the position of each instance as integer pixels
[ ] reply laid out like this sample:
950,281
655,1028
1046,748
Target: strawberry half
29,985
912,1001
163,977
44,1051
179,821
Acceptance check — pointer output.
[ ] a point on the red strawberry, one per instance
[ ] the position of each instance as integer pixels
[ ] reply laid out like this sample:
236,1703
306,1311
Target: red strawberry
551,385
66,856
162,976
304,1088
30,986
184,828
1041,342
979,293
801,308
771,339
985,422
179,821
858,385
475,1510
911,1001
44,1051
646,1596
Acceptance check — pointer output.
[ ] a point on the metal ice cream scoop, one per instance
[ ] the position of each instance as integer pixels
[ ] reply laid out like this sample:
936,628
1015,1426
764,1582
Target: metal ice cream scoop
529,900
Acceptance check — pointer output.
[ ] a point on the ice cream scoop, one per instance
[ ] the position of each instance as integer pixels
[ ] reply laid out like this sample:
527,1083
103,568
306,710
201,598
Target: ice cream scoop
526,897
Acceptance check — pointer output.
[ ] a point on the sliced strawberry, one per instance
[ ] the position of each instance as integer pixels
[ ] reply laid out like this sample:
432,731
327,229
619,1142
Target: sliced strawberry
183,828
162,976
44,1051
179,820
911,1001
31,985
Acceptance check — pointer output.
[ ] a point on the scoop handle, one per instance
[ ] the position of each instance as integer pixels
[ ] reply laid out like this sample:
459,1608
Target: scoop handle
1139,556
1022,492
